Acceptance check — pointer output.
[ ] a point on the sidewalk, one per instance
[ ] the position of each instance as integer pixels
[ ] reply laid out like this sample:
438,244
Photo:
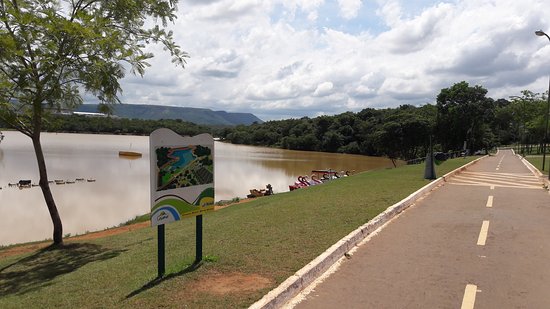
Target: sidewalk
480,240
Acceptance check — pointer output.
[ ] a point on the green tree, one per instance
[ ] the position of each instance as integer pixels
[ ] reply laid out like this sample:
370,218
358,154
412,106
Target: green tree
332,140
462,112
528,112
51,50
389,140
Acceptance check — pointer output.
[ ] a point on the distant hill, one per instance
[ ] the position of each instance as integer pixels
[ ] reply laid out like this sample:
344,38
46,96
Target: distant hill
202,116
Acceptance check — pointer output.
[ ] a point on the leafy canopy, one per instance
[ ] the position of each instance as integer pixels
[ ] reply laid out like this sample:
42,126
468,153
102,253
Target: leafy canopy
52,50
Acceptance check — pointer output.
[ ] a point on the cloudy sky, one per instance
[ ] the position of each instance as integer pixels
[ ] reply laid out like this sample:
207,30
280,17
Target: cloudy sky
293,58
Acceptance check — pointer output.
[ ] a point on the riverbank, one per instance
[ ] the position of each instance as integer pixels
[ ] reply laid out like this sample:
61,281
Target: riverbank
121,189
134,224
249,249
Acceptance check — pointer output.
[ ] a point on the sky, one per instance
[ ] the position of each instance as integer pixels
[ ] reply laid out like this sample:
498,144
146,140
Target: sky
283,59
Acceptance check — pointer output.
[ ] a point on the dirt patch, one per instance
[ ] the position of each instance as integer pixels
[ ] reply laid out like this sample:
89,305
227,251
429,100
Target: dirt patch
244,200
37,246
231,283
111,232
94,235
23,249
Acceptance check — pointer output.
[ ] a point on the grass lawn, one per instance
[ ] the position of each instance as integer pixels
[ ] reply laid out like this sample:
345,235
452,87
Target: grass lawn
249,249
537,162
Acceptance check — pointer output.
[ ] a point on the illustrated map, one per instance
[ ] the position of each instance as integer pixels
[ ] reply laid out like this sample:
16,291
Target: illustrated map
181,167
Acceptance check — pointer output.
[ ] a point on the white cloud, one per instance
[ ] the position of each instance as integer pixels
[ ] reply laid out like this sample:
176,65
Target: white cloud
349,8
390,12
323,89
278,58
226,64
224,10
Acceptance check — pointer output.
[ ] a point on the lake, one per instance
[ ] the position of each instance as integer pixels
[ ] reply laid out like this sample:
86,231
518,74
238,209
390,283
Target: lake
121,187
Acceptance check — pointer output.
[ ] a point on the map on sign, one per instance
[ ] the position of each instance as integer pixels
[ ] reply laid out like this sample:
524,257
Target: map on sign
184,166
182,176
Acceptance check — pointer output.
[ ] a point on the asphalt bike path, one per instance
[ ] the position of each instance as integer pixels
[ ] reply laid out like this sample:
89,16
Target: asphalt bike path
482,240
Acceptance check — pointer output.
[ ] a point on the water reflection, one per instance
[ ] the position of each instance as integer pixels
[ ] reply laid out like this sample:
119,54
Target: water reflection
121,189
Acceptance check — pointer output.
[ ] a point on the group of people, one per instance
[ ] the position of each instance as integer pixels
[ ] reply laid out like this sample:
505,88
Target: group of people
262,192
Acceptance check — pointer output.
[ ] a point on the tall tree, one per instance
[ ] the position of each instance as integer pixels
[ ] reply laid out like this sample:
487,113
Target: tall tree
51,50
528,112
462,112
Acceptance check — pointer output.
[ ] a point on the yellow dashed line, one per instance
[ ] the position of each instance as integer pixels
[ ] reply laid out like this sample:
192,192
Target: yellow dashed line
483,234
489,202
469,297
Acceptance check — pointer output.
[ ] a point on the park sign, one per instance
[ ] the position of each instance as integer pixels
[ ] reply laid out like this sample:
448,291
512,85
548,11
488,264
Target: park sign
182,175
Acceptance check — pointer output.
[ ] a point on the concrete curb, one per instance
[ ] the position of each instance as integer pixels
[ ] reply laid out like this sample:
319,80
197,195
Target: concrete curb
277,297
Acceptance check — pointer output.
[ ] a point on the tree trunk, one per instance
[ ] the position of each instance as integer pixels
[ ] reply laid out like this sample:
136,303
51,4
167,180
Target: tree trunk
46,191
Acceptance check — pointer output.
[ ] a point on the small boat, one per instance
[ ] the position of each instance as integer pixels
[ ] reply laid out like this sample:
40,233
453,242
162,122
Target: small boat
317,177
70,181
24,184
326,175
59,182
79,179
301,183
129,154
90,180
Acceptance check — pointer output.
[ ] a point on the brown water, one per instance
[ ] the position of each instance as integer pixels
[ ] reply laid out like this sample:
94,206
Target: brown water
121,188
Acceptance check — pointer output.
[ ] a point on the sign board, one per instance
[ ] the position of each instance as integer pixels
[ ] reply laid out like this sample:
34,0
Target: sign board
182,175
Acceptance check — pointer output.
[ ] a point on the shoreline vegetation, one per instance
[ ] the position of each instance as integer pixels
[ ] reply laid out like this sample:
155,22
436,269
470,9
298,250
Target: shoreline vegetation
462,118
249,249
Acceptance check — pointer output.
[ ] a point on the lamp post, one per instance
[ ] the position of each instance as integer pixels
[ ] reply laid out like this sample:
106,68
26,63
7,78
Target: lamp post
541,33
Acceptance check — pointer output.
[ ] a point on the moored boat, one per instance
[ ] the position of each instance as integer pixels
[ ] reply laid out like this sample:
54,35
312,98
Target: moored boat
129,154
24,183
317,177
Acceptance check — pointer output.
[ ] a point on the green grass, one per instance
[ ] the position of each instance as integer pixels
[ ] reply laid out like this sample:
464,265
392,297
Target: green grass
271,236
537,162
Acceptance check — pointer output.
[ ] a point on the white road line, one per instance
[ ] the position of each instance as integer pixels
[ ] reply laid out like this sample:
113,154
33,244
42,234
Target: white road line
469,297
488,184
492,174
489,202
492,187
513,181
517,182
500,178
483,234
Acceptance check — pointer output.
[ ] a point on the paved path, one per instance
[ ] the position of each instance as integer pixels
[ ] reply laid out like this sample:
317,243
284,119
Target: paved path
480,241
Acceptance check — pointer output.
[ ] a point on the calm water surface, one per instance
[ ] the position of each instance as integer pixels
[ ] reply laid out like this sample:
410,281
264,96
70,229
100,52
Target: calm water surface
121,189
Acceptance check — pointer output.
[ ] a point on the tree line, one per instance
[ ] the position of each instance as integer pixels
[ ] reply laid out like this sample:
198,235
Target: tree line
115,125
462,118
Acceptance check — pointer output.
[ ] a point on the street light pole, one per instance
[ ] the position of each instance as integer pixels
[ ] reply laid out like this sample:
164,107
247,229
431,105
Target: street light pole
542,33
